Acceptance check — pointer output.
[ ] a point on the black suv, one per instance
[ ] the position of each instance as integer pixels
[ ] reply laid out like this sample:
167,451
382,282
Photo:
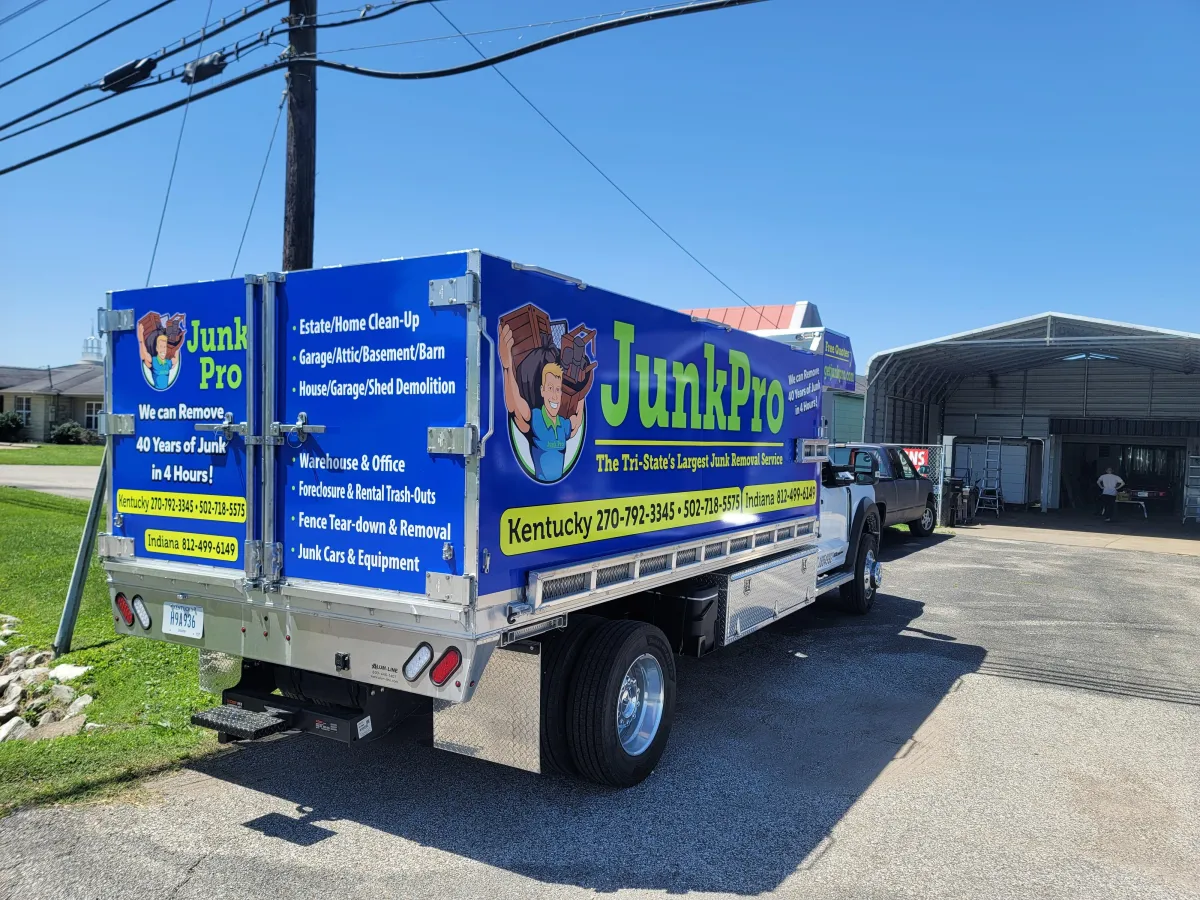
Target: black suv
904,496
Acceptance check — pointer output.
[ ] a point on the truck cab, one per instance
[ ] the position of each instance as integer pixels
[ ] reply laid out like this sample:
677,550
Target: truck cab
850,528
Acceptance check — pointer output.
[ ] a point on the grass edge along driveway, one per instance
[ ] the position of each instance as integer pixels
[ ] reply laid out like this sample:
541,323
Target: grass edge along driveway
145,691
51,455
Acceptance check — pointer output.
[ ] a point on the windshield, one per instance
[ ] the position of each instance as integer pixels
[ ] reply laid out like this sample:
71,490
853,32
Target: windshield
839,456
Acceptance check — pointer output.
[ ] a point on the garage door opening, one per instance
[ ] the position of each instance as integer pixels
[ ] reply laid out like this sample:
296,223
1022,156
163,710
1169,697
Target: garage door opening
1153,474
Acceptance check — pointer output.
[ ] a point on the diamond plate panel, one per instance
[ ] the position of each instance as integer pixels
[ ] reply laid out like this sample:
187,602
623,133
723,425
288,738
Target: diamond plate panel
752,596
502,721
219,671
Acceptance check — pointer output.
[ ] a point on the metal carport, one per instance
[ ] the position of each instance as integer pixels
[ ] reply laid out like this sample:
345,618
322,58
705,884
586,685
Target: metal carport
1045,377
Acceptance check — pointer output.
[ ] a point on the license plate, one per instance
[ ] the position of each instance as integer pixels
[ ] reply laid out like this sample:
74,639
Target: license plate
182,620
1143,493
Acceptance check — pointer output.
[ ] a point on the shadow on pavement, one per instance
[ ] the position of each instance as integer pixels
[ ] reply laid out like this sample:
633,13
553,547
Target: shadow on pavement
898,542
775,738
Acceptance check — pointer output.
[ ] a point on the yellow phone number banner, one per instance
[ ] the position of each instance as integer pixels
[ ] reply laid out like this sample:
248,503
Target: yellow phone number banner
210,507
203,546
528,529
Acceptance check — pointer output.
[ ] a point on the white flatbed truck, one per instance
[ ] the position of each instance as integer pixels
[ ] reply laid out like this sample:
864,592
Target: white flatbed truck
462,487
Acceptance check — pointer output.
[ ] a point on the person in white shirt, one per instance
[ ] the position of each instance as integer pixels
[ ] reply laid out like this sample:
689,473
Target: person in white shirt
1109,485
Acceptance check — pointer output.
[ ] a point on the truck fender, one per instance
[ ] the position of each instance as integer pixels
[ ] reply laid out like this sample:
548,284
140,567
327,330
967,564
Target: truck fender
866,511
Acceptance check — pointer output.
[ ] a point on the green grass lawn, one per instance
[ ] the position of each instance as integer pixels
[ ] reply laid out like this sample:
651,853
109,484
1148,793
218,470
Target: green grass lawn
145,691
52,455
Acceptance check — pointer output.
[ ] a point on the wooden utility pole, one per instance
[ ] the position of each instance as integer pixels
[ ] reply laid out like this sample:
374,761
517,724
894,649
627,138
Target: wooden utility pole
299,204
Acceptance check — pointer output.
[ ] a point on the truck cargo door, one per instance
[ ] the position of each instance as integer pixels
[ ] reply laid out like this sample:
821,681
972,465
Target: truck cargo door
365,367
180,371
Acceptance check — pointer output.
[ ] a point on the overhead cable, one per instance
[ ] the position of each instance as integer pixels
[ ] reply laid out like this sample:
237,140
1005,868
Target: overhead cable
620,190
20,12
54,31
533,47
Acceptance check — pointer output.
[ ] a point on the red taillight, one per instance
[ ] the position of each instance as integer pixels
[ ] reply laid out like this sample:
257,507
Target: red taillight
125,610
444,667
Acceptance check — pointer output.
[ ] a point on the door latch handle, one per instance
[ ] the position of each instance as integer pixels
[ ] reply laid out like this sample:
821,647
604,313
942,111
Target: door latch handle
226,426
302,428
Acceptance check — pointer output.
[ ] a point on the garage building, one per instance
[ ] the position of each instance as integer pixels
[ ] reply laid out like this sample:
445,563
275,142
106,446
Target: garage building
1055,398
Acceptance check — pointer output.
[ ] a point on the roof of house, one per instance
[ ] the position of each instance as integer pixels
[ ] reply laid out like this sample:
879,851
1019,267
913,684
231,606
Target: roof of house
762,318
10,375
76,380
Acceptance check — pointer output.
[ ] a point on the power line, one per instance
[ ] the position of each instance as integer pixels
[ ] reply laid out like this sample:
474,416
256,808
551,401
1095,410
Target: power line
55,30
649,218
175,160
257,187
88,42
21,11
533,47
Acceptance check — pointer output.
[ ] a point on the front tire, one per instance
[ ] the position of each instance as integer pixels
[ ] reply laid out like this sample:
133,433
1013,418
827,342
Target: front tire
621,703
923,527
859,593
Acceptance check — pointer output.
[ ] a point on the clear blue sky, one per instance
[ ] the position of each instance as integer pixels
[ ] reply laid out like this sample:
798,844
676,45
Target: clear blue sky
913,169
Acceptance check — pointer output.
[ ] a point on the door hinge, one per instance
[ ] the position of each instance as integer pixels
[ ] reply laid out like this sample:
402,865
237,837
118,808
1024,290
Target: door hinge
458,291
114,423
462,440
253,551
112,546
272,566
114,320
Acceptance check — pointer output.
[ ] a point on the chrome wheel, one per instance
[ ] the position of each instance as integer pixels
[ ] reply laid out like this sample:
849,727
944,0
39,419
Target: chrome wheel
640,704
868,575
927,519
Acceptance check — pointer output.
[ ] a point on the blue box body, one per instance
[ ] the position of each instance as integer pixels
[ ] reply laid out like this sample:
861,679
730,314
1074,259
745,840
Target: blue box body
644,462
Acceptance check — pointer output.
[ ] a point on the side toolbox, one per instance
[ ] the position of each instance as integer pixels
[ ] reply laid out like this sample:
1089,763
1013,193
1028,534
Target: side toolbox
753,596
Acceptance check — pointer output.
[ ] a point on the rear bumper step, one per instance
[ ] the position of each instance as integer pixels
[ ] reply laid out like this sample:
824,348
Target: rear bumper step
243,724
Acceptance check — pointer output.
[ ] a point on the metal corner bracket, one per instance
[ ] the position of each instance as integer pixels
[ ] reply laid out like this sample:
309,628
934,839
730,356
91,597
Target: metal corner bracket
462,440
456,589
112,546
114,423
461,290
108,320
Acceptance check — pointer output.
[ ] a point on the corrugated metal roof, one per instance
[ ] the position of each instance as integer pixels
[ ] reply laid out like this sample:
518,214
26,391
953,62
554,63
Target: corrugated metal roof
762,318
1042,340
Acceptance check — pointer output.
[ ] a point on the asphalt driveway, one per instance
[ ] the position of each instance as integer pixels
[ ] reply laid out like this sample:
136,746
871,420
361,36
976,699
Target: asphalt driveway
1011,720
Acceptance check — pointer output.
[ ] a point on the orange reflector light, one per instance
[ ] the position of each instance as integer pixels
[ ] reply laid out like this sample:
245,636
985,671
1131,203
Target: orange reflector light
125,610
445,667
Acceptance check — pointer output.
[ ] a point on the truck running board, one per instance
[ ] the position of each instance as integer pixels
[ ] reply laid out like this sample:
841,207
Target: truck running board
243,724
830,580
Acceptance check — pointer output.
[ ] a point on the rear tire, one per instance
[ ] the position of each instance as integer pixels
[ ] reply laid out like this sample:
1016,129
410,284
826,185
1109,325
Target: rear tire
923,527
621,703
560,651
859,593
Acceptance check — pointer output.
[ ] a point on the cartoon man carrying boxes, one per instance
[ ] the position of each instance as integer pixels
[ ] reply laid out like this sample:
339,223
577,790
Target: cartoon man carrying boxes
546,431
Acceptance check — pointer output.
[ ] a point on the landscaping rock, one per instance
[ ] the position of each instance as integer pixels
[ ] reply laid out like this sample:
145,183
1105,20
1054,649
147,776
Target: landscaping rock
8,711
14,663
14,729
39,659
62,693
68,672
79,705
50,715
37,704
6,680
13,692
65,728
10,620
34,676
92,726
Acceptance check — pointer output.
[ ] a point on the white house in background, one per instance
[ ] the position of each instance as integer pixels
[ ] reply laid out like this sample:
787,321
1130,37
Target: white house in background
47,397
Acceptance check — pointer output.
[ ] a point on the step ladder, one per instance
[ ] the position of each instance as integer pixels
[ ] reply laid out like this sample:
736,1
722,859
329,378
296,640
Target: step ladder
1191,489
991,494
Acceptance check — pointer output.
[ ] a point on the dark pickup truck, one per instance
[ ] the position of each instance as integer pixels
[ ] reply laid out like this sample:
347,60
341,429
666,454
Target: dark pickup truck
904,496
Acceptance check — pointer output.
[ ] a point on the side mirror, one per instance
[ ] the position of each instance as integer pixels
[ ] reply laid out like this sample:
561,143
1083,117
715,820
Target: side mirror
865,466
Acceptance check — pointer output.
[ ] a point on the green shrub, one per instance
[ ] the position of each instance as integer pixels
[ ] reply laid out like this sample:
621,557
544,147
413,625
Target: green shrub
11,426
69,433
